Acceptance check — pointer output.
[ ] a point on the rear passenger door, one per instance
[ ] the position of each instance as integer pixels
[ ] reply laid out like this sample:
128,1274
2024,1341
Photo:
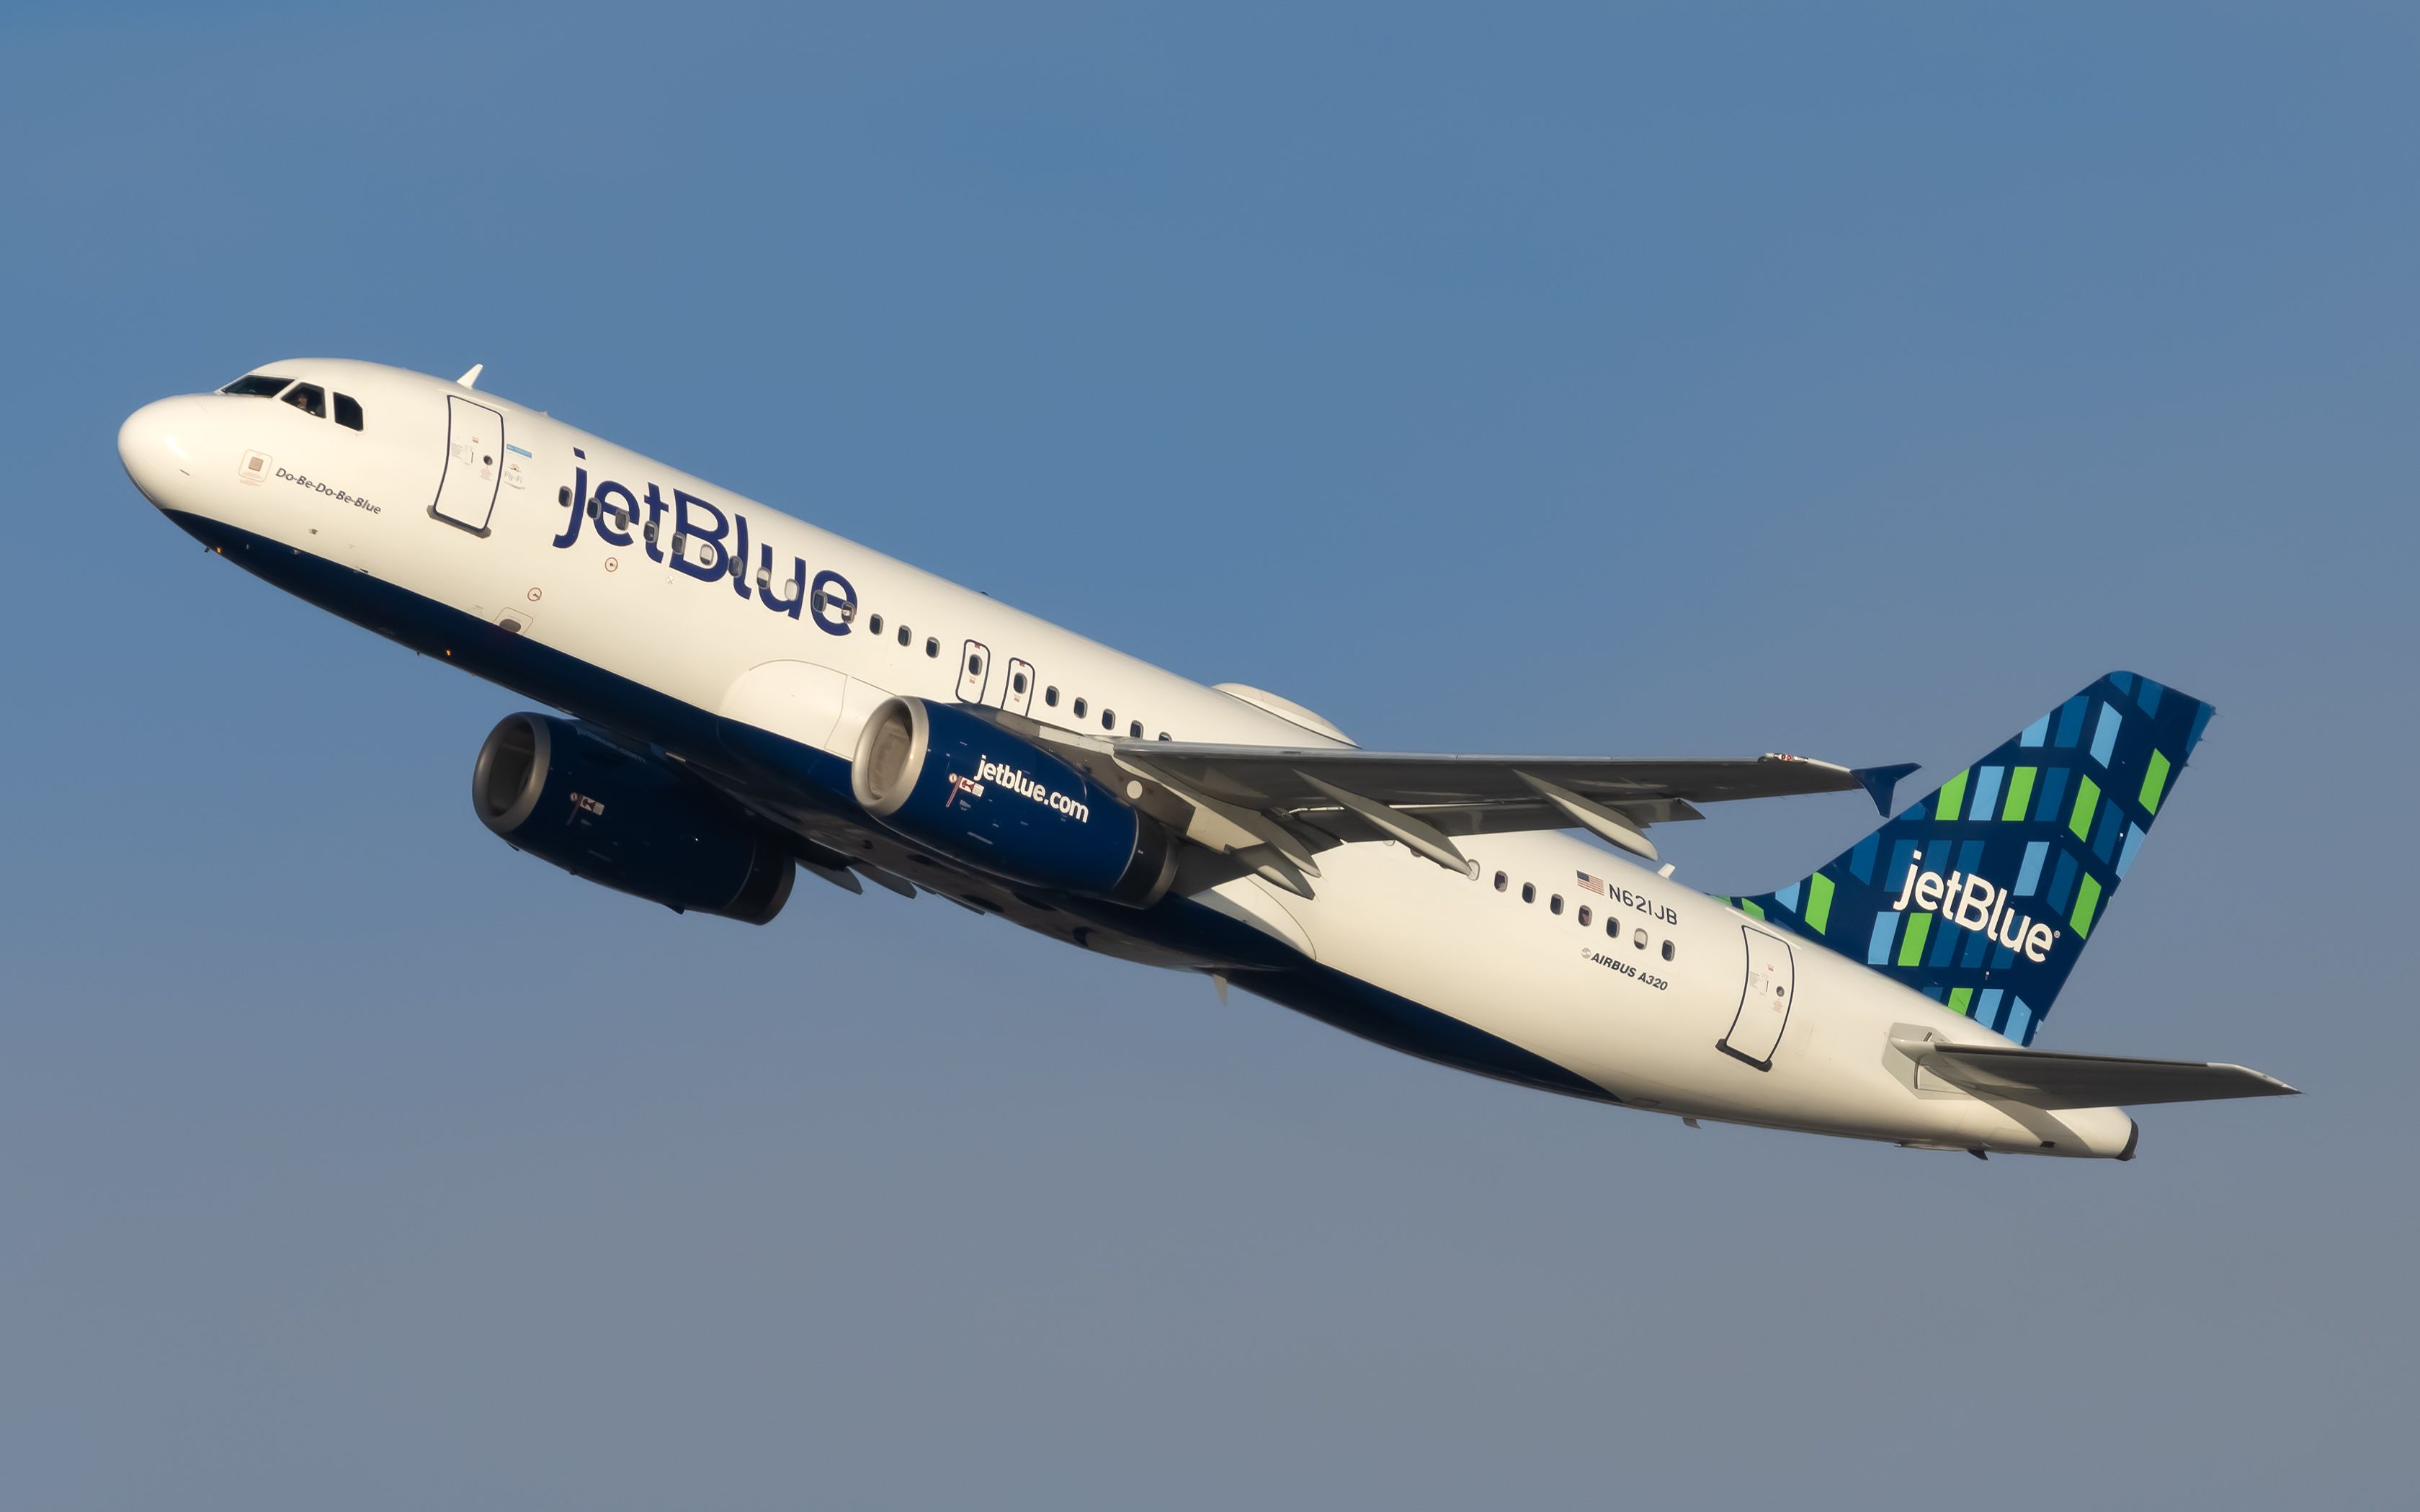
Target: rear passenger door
474,455
1765,994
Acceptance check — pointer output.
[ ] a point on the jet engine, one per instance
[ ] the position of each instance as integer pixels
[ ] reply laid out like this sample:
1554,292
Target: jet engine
988,799
627,818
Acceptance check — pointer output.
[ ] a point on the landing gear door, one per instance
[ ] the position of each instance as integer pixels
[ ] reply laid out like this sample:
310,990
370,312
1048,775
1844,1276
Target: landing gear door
1019,696
1765,1000
974,673
474,455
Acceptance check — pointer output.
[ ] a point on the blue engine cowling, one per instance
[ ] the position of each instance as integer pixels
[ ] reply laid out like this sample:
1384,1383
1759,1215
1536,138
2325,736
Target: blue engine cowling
1000,804
628,819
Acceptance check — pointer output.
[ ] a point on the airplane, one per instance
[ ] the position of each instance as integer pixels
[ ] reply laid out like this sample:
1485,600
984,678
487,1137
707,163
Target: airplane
739,697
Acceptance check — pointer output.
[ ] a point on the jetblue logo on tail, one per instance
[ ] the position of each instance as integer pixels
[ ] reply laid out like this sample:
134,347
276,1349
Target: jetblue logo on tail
1974,906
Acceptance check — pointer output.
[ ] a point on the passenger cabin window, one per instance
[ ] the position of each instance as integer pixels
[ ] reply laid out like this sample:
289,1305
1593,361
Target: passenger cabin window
310,398
1109,719
257,385
1079,708
1500,880
348,412
1584,916
875,625
1555,904
1529,893
1667,950
1050,696
903,635
932,647
1135,730
1639,938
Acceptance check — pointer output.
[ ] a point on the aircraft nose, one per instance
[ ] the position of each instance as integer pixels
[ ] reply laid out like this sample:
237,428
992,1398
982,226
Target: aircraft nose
155,445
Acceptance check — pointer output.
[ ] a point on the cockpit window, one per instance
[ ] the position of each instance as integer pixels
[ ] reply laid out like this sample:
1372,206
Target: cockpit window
310,398
261,385
348,412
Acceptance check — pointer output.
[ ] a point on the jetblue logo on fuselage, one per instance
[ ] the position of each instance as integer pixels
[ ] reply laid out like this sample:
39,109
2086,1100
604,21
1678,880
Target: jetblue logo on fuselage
1974,906
988,771
709,544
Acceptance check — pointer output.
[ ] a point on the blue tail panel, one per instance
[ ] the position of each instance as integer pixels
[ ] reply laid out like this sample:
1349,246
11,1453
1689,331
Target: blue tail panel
1982,896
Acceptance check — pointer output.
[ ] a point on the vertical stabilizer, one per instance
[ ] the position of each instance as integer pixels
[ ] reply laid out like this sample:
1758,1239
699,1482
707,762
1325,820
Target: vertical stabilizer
1983,895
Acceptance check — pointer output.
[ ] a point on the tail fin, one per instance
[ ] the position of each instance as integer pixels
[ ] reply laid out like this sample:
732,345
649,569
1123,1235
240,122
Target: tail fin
1983,895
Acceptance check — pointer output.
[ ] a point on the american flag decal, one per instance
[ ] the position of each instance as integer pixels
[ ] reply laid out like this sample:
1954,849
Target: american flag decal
1595,885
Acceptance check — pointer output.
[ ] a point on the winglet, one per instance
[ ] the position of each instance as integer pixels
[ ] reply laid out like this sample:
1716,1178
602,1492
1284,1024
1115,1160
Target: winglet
471,380
1878,781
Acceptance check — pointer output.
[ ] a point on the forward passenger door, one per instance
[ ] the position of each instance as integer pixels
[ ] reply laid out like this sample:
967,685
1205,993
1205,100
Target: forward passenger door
475,457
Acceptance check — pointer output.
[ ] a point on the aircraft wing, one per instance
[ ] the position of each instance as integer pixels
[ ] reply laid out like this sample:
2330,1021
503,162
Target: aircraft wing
1274,807
1275,774
1476,795
2053,1079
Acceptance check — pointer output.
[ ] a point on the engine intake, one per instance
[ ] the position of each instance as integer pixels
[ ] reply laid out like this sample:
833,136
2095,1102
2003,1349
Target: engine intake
628,819
1000,804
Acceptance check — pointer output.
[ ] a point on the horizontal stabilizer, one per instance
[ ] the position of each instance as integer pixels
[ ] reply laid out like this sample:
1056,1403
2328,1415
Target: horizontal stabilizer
2051,1079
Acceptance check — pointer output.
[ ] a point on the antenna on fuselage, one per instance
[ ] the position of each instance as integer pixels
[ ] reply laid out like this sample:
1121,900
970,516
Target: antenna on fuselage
471,380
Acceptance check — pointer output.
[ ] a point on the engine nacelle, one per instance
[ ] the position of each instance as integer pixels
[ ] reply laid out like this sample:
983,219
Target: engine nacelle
634,822
1000,804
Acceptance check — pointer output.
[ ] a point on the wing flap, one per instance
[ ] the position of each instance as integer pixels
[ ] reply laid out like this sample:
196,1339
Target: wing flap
2051,1079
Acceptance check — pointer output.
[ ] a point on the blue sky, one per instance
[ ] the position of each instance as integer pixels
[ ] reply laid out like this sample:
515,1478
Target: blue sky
1631,380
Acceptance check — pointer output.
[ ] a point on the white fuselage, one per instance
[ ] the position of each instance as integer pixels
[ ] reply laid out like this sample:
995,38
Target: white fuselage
1634,1001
